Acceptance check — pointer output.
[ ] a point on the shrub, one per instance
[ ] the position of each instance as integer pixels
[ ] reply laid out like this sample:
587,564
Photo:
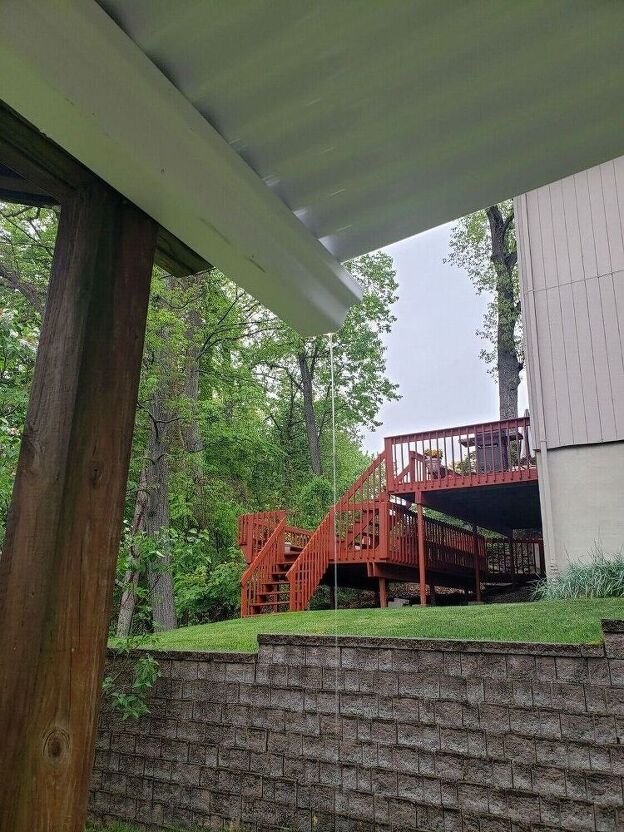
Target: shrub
602,577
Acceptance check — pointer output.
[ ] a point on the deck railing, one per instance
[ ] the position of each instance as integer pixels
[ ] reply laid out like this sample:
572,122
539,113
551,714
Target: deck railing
255,529
451,547
490,452
261,569
521,557
350,531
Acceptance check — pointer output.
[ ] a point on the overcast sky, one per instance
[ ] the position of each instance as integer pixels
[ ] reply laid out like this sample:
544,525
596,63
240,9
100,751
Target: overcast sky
433,351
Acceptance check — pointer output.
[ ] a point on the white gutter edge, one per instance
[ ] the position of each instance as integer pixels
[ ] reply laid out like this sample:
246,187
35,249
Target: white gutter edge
68,69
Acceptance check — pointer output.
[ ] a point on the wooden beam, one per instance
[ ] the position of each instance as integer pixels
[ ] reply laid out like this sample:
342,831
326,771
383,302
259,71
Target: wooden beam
58,565
37,159
177,258
46,175
19,190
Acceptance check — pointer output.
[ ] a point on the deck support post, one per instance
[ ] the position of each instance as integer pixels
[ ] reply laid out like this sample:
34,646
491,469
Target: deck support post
477,564
383,593
432,595
422,578
57,569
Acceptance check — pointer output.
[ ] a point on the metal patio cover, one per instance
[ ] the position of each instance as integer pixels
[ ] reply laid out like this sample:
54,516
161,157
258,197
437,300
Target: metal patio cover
277,138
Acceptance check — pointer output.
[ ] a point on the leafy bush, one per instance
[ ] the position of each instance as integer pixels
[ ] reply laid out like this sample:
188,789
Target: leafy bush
602,577
132,680
210,592
312,502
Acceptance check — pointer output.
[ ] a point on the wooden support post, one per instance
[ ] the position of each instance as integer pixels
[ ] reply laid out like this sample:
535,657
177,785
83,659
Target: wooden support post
477,564
58,566
432,595
422,578
383,593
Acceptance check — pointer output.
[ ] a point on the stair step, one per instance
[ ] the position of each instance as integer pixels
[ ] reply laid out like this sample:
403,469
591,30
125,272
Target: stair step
269,604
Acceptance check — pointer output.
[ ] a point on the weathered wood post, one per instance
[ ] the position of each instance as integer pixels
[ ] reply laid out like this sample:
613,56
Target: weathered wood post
58,565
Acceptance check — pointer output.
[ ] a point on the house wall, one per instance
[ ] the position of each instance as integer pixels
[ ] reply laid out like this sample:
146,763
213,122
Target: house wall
374,735
571,256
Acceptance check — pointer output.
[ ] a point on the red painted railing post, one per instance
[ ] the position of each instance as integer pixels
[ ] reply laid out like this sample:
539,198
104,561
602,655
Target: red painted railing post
477,565
421,554
389,463
383,593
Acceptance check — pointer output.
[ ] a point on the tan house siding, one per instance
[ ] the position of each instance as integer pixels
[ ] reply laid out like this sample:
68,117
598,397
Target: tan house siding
571,256
571,241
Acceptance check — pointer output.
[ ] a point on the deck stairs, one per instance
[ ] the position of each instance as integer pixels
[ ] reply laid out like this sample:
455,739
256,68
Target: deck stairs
372,525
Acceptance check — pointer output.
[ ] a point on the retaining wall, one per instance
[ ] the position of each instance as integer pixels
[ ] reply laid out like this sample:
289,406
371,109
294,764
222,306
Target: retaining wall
437,736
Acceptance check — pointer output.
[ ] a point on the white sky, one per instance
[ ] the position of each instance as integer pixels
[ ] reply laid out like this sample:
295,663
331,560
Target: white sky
433,351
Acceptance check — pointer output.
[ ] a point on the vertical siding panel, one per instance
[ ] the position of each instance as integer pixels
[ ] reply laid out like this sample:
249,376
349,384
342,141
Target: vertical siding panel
614,204
571,238
599,221
601,360
586,357
544,348
535,233
548,240
615,348
573,230
573,364
559,366
588,247
560,234
531,358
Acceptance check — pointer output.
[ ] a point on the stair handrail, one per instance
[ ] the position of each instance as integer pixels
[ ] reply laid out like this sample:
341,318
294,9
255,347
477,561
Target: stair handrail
308,569
259,570
254,528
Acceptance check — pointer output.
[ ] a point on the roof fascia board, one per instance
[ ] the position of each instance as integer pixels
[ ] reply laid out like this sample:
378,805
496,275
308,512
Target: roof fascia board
74,74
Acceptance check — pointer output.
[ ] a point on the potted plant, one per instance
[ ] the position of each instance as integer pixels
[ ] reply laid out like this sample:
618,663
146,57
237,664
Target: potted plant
433,462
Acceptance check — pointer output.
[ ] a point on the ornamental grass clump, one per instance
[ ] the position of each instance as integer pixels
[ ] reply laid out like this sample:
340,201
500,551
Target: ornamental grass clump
602,577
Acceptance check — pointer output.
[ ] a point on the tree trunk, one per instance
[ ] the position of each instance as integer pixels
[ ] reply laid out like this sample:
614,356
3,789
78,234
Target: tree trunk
131,578
504,260
190,435
156,525
309,414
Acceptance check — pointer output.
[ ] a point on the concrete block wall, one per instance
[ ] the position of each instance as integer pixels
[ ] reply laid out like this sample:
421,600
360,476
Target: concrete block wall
374,734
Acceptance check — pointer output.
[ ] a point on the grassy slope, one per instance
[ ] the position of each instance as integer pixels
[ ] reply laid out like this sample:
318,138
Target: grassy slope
542,621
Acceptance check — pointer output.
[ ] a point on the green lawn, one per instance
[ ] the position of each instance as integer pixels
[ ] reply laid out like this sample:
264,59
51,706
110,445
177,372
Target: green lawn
554,622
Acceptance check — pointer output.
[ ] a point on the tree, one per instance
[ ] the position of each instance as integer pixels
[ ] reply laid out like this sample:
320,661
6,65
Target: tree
484,244
301,373
221,420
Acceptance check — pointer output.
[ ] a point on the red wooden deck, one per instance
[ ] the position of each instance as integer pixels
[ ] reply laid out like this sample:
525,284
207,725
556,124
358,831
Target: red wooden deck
491,453
374,523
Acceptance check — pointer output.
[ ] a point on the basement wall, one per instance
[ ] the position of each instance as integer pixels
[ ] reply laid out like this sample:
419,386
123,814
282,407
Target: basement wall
436,736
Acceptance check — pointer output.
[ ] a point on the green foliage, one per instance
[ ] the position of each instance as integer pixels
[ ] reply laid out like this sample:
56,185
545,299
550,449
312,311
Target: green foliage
210,593
26,240
223,371
129,687
470,250
312,502
361,382
601,577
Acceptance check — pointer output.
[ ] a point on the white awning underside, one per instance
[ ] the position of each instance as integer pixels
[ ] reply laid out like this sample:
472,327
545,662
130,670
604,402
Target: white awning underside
371,120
